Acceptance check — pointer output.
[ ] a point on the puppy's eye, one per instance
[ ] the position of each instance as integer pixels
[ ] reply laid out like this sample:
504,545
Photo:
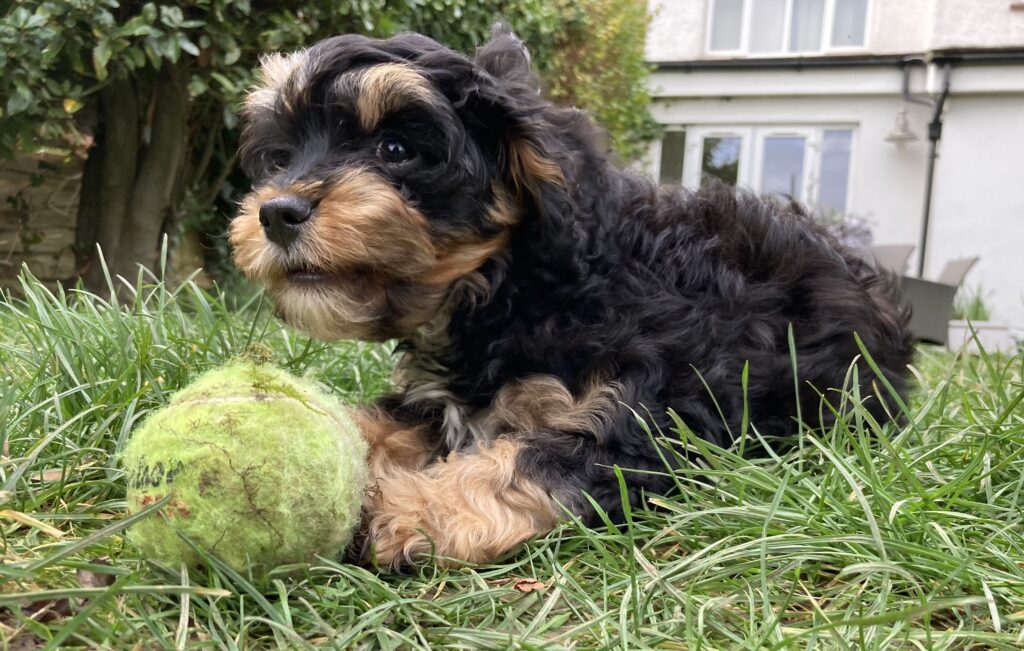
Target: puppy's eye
277,160
395,151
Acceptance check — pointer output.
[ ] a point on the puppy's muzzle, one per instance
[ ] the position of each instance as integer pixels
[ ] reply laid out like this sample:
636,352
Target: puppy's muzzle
283,217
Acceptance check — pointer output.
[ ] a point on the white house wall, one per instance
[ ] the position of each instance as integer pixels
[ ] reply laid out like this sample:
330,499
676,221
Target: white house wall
978,205
674,33
978,200
973,23
979,197
678,30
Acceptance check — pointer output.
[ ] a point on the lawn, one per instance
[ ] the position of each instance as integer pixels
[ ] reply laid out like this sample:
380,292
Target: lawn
868,535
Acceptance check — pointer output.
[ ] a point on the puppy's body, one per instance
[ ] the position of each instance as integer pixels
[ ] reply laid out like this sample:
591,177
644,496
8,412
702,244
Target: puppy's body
537,291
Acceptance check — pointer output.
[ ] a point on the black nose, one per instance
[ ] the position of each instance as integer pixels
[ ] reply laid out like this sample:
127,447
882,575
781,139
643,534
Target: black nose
282,218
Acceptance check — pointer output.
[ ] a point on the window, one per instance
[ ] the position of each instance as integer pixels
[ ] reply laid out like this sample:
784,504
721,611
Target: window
835,169
811,164
727,26
805,25
782,170
775,27
672,147
848,23
720,158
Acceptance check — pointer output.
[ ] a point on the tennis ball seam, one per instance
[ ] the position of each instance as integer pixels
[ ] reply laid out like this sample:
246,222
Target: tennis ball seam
263,399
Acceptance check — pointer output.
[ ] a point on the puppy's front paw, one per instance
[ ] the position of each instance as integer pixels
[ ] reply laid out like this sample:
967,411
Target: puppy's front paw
469,508
397,537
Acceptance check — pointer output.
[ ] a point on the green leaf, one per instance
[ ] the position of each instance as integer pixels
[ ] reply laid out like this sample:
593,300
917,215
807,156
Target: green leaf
225,83
230,119
152,53
100,57
18,102
196,87
171,16
187,45
136,26
231,51
137,57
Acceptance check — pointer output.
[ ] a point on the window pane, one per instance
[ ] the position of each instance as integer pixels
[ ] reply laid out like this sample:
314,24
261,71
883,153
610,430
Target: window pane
848,25
805,30
766,25
783,169
835,170
721,159
727,25
672,150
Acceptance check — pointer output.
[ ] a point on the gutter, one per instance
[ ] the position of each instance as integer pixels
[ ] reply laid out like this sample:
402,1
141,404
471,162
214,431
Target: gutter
957,56
798,63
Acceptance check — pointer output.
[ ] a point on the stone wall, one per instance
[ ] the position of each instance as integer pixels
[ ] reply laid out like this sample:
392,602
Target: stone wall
38,212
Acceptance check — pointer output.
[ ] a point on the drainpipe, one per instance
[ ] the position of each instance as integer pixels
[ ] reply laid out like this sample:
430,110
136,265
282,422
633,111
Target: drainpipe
934,135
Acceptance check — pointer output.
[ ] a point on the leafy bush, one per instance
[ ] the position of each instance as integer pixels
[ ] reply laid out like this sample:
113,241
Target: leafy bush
598,65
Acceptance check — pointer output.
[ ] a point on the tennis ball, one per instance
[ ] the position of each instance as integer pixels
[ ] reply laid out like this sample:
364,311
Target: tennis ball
262,469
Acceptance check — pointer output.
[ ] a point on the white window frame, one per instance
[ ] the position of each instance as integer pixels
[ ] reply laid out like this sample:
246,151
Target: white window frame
824,44
751,159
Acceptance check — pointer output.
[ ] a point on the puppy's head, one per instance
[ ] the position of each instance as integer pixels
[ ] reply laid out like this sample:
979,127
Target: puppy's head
386,173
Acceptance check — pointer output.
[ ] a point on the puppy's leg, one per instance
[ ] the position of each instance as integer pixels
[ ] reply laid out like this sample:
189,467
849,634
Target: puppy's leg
469,507
394,444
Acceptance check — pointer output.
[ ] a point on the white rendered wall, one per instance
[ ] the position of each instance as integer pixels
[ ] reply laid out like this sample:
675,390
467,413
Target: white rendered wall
974,23
679,27
676,31
978,204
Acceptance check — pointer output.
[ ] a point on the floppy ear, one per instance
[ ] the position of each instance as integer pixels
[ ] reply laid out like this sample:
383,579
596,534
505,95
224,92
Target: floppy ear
504,56
508,111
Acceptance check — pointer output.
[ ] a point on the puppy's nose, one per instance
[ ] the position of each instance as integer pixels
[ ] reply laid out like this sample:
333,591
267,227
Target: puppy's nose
282,218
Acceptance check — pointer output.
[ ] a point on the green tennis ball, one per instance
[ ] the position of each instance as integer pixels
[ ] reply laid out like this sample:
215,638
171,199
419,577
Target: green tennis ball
262,469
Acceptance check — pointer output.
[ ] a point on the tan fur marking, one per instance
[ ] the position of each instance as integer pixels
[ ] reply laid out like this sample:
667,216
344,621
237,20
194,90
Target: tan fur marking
503,211
276,70
363,220
470,508
393,444
544,402
464,258
529,167
387,87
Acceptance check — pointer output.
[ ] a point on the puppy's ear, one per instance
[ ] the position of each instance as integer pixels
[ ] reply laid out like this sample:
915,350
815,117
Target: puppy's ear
536,164
504,56
506,109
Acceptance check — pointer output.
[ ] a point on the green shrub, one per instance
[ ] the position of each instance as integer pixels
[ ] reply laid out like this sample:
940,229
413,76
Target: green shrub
598,65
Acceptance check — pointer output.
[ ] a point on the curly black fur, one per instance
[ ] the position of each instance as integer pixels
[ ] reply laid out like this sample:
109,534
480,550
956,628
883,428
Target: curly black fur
667,293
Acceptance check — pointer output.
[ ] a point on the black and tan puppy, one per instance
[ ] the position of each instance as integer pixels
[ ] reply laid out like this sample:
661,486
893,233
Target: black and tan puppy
404,191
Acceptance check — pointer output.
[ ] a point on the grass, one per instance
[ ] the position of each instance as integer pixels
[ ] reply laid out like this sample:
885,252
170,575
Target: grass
971,304
868,536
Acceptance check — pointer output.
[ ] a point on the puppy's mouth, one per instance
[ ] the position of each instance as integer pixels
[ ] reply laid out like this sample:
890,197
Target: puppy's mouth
308,275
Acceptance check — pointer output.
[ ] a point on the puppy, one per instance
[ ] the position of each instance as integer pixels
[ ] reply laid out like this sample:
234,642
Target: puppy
538,292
